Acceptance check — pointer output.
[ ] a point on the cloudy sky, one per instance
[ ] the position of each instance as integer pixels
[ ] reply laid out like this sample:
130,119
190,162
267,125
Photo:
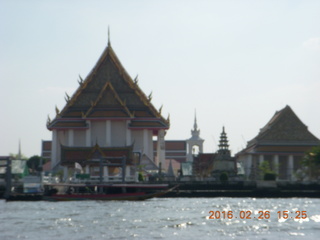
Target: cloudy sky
235,62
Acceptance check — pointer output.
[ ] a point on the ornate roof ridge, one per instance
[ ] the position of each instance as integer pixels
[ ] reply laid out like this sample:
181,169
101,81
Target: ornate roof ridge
109,52
274,122
105,87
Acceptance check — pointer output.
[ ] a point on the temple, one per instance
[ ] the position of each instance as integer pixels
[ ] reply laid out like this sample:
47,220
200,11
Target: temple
108,116
195,147
282,143
195,143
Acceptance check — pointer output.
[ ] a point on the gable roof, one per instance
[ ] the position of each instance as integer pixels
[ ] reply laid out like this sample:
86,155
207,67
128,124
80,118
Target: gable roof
70,155
284,128
108,92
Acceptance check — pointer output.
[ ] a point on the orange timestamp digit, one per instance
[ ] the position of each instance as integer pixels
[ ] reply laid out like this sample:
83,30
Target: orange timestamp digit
242,215
295,214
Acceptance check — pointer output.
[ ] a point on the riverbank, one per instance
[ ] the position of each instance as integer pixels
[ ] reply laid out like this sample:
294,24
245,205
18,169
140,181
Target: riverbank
258,189
193,189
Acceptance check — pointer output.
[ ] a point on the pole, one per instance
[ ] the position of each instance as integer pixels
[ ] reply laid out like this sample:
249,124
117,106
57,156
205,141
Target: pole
8,178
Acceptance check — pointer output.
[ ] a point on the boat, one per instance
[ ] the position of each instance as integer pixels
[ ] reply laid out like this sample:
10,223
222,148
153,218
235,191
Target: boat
104,192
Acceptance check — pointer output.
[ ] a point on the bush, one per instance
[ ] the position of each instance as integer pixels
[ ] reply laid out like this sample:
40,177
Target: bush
140,177
270,176
224,177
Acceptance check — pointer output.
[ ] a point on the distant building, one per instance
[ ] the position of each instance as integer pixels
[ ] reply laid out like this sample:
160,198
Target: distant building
175,149
223,161
195,143
46,149
203,165
206,165
108,115
282,143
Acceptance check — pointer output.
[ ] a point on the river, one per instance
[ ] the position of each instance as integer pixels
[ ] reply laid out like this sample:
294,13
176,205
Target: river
163,218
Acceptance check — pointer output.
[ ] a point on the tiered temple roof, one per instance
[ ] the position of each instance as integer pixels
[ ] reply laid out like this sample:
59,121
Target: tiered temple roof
285,132
71,155
108,92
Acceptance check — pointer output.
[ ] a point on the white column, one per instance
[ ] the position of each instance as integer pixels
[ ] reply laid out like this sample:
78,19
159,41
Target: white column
200,147
189,156
261,159
128,134
108,133
276,163
127,169
146,143
161,148
65,174
70,137
87,169
248,165
88,135
106,173
290,167
54,149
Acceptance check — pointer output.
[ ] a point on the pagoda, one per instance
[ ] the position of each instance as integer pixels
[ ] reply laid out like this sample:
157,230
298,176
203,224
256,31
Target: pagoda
223,161
282,142
108,113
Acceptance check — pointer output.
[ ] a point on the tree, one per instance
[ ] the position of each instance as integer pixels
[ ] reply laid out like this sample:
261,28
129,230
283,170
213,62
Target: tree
34,163
224,177
311,160
17,157
268,174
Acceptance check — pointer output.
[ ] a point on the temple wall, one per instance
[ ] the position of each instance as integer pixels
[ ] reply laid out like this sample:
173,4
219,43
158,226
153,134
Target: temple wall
149,144
98,133
63,137
118,133
79,138
137,138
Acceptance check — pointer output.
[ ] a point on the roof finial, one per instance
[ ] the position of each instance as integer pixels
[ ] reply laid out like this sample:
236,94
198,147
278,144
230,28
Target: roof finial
19,152
108,35
195,125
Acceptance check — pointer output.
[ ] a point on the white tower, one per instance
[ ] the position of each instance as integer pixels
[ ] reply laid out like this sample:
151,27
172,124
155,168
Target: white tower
195,143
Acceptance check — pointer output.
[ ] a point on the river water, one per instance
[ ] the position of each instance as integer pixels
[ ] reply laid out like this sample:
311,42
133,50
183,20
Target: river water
162,218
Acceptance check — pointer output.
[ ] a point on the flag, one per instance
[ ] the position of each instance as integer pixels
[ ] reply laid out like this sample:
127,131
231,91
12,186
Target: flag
78,166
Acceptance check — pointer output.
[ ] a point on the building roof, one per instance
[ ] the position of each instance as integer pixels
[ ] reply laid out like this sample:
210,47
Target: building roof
108,92
284,128
203,164
81,155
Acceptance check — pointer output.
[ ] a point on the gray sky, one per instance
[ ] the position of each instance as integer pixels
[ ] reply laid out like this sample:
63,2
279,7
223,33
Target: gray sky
235,62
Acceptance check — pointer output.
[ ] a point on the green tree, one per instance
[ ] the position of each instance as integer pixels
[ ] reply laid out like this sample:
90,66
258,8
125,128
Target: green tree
17,157
34,163
311,160
267,173
224,177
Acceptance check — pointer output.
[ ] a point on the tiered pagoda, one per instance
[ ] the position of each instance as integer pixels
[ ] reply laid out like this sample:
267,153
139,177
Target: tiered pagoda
110,112
223,161
282,142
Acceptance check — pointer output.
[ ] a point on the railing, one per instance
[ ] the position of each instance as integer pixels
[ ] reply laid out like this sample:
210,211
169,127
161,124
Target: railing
96,179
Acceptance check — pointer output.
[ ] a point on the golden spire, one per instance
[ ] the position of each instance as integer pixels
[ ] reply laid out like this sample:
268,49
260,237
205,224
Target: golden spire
160,109
136,80
48,120
57,111
67,97
150,97
80,81
109,37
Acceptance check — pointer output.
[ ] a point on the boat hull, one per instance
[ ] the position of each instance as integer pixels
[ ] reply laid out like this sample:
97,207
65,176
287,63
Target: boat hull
133,196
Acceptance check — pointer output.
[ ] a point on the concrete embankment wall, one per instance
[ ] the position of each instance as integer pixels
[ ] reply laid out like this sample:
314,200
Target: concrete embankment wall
269,189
